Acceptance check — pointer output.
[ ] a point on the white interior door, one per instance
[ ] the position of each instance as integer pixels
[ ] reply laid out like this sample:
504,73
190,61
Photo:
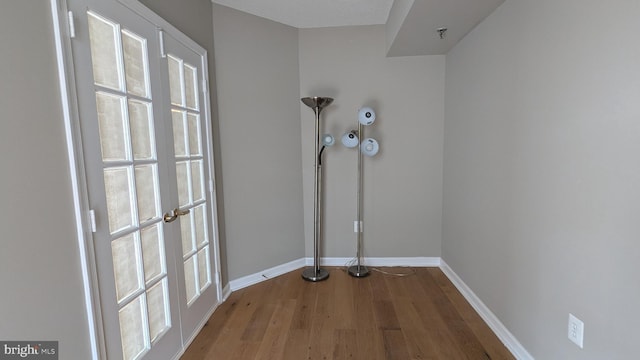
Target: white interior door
144,117
185,76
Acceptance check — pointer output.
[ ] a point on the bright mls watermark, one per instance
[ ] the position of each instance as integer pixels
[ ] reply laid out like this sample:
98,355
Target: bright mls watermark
29,350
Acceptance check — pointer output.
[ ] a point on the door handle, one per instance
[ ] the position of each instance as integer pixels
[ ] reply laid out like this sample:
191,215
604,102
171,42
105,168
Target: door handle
180,212
173,215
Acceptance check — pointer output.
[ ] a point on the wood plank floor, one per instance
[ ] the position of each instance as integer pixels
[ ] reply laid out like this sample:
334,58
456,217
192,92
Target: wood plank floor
420,316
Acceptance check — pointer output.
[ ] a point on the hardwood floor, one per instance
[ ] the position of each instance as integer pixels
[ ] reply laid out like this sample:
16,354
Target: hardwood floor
420,316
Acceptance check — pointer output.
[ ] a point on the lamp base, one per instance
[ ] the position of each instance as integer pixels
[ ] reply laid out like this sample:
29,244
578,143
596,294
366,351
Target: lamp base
358,271
310,274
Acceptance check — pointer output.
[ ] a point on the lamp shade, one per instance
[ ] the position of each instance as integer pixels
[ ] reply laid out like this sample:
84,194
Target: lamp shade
328,140
369,147
350,139
366,116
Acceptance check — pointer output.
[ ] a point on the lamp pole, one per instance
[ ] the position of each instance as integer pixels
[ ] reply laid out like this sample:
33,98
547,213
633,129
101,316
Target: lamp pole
359,270
316,273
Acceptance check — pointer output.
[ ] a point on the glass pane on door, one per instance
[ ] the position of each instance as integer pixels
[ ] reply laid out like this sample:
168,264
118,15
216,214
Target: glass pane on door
107,71
135,64
111,120
154,253
158,311
190,87
146,188
141,128
126,266
132,329
117,185
189,162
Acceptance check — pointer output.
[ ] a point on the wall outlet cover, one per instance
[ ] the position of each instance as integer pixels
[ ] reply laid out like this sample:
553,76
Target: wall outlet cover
576,330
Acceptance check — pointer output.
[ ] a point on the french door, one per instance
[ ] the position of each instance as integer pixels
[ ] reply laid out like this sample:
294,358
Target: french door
144,120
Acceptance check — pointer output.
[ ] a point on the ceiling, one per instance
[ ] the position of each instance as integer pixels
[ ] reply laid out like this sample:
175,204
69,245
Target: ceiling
316,13
411,25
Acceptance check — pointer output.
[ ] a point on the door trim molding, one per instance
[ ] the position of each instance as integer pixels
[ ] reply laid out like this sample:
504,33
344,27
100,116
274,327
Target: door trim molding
70,113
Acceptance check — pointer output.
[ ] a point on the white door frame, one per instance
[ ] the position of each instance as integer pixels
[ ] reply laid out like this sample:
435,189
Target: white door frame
63,29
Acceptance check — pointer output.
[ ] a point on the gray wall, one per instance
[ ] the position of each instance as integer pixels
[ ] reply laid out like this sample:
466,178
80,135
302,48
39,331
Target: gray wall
403,183
542,177
258,87
40,277
261,121
195,19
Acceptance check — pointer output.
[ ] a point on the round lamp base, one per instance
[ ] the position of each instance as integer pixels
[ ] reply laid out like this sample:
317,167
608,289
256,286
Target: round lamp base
310,274
358,271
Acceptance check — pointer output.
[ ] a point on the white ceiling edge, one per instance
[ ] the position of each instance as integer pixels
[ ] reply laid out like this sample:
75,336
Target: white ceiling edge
397,16
411,25
418,31
305,14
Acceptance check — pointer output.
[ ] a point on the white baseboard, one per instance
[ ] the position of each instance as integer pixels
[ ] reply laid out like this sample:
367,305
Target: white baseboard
404,261
380,261
492,321
328,261
252,279
226,291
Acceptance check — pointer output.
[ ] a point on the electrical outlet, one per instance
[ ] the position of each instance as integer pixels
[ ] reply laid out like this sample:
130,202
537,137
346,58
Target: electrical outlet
576,330
357,226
